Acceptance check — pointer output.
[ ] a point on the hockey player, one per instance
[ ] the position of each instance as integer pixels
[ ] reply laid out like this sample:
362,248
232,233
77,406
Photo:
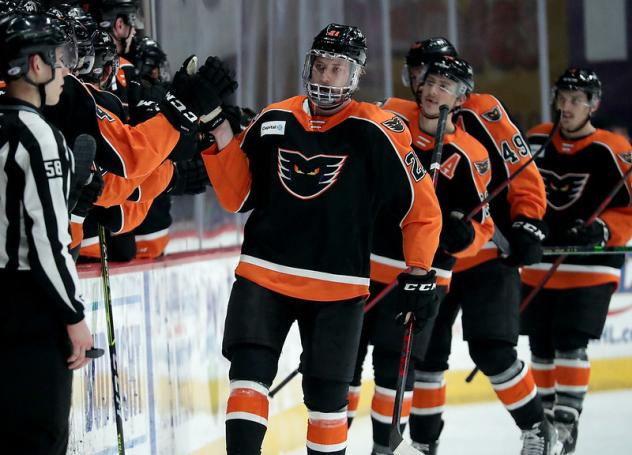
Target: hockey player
315,170
485,287
462,184
119,18
580,166
43,334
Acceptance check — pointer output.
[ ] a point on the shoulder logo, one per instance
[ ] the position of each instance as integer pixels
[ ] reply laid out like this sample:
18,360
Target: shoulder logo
394,124
492,115
482,167
275,127
626,157
307,178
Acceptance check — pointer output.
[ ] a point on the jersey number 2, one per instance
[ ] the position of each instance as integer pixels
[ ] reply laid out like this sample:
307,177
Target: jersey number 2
416,169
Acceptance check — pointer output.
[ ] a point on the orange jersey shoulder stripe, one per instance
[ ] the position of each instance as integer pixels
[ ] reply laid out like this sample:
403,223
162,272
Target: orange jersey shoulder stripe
526,193
406,109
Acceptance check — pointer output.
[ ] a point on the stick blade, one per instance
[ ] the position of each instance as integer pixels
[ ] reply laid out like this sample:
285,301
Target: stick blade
399,446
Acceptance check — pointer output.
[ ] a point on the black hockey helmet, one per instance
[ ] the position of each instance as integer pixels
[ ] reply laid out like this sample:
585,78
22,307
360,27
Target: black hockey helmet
106,60
456,69
23,35
423,52
106,12
581,79
149,55
345,40
335,41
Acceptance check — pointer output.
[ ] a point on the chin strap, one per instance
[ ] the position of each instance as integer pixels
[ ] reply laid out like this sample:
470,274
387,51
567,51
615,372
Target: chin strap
41,87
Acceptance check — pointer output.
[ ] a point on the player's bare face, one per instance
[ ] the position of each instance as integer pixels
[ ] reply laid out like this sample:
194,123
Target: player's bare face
333,72
574,107
435,91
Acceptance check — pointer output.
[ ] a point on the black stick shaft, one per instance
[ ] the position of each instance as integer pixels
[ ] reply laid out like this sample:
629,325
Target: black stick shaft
116,387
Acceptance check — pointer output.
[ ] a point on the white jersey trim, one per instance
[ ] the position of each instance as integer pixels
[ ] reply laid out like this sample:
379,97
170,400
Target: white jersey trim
305,273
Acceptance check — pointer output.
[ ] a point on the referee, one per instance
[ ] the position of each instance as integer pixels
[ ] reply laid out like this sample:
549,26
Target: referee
43,334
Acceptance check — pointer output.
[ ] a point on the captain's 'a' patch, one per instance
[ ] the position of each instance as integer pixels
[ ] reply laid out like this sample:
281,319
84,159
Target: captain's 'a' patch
394,124
626,157
492,115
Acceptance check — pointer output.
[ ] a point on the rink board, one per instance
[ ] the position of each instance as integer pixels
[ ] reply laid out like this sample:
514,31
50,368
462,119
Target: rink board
168,318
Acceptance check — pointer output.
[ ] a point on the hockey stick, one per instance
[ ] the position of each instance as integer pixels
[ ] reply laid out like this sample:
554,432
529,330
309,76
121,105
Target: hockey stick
556,264
395,440
583,250
105,276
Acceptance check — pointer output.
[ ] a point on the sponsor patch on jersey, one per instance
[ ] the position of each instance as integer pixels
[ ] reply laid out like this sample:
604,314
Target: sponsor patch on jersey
492,115
276,127
307,178
482,167
562,191
394,124
626,157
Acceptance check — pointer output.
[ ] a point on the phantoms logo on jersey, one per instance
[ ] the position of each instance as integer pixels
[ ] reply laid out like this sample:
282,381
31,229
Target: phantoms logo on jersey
562,191
626,157
482,167
394,124
492,115
307,178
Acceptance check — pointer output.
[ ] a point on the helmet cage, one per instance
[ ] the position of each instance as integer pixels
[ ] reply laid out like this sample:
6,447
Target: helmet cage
329,96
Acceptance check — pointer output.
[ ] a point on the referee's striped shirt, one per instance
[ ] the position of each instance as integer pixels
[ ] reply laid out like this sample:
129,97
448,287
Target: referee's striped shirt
35,171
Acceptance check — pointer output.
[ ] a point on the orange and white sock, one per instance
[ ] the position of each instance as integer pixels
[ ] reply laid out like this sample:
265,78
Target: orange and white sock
327,432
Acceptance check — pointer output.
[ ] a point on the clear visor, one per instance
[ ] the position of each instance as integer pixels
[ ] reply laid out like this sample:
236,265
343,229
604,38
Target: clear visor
330,79
446,85
66,56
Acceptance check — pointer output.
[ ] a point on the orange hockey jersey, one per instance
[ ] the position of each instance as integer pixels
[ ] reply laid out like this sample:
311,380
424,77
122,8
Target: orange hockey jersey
485,118
579,174
464,175
314,185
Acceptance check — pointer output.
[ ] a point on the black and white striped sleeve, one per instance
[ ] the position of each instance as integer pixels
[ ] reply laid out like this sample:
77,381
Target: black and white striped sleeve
46,161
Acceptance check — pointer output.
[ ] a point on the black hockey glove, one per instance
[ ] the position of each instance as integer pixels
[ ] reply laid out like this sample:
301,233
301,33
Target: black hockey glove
89,195
456,233
525,239
417,294
191,98
217,73
189,177
595,234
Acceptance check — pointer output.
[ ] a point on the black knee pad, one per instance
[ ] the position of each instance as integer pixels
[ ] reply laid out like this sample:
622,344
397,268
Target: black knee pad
324,395
570,340
492,357
386,368
253,363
